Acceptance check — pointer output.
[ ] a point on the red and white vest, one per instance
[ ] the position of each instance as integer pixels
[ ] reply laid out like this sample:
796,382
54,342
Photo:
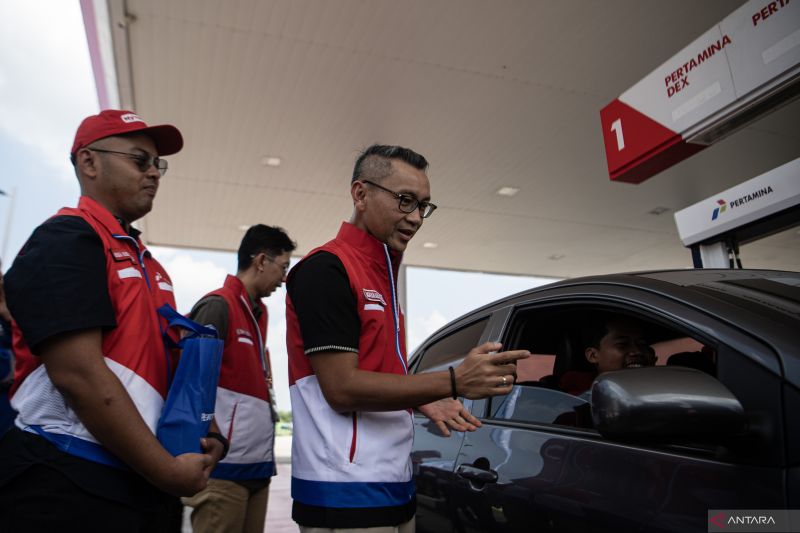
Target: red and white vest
359,459
134,350
243,411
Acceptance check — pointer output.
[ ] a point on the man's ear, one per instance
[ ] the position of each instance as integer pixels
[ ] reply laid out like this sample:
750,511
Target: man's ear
359,194
258,261
591,354
86,163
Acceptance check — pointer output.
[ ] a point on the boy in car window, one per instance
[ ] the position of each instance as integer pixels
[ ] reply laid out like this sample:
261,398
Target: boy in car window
612,342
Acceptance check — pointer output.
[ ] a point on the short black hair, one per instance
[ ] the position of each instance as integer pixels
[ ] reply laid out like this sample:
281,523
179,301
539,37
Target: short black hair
597,327
262,238
375,163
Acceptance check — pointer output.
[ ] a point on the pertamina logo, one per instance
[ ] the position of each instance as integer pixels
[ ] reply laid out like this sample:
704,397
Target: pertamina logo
373,296
721,209
162,283
127,118
739,202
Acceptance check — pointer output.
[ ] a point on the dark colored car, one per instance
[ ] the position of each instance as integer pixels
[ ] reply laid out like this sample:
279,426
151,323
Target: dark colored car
714,425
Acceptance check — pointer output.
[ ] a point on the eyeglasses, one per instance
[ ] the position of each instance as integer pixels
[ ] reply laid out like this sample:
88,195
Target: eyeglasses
284,267
143,161
406,202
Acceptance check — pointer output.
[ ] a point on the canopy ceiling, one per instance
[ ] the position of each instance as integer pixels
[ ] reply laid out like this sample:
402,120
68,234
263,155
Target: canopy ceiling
494,94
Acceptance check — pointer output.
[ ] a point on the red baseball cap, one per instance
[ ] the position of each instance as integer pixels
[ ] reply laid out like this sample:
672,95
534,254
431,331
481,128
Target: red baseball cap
110,122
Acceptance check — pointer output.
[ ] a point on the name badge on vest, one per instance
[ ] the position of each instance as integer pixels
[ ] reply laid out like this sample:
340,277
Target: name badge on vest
244,336
121,255
374,300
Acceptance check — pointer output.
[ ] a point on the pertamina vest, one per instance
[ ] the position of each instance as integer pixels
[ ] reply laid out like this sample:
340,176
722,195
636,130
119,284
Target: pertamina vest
243,411
134,350
358,459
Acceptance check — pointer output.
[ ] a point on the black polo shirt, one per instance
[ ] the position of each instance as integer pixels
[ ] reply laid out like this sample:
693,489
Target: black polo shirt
58,282
326,308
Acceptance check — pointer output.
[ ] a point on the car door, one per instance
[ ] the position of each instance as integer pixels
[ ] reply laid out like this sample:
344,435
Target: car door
529,469
433,456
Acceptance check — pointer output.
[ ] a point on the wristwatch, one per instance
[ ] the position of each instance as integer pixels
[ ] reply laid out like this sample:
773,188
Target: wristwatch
225,444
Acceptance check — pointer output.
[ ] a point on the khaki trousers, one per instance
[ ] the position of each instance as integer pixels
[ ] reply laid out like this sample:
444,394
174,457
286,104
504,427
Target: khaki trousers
227,507
407,527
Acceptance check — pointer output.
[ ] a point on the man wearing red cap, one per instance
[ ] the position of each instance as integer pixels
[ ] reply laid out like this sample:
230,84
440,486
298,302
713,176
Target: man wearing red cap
92,370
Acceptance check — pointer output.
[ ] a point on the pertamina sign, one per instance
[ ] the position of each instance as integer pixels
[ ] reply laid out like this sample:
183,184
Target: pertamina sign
769,194
735,72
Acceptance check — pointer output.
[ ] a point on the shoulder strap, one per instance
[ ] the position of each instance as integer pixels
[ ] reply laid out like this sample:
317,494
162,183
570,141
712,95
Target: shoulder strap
175,319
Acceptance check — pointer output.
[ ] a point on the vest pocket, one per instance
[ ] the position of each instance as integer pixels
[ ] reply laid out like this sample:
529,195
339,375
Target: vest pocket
354,438
229,435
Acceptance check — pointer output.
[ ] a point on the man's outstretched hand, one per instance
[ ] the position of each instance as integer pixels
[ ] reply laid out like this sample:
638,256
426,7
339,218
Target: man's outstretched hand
450,413
487,372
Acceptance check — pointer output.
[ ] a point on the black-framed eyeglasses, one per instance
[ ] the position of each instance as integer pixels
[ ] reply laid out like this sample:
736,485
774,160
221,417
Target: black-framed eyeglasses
143,161
406,202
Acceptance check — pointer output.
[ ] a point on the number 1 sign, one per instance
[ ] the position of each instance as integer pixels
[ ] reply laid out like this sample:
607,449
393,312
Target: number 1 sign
638,147
729,76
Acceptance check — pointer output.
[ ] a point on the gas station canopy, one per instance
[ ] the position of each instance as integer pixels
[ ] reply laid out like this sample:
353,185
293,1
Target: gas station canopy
276,98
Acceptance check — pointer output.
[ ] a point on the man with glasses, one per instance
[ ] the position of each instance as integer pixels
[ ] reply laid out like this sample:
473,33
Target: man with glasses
235,500
92,368
348,378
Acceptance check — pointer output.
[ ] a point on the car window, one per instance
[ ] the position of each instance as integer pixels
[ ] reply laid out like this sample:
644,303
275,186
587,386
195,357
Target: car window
538,366
553,384
533,403
535,398
452,347
666,349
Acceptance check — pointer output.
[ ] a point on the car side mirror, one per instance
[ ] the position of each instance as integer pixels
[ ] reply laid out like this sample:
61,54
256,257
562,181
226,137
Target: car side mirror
665,401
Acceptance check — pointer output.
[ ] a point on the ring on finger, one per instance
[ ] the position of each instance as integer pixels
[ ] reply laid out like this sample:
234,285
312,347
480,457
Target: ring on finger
505,381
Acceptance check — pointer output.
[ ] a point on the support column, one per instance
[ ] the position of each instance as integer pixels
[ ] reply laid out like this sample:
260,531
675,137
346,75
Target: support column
713,255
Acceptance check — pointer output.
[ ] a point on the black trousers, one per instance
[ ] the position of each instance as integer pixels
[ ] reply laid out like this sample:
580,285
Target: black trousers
43,499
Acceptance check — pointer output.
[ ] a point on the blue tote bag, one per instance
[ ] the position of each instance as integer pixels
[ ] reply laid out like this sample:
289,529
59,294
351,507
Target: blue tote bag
189,408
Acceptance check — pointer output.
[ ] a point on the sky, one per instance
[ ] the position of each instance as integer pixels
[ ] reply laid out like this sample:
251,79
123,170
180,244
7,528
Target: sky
47,88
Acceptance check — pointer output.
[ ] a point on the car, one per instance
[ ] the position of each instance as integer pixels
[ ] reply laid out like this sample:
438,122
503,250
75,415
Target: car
654,449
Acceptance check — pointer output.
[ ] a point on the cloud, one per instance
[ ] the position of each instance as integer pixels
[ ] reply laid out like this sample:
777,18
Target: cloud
46,81
421,327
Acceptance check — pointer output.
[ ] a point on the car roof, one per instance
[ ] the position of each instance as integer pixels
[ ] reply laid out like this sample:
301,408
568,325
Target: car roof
784,286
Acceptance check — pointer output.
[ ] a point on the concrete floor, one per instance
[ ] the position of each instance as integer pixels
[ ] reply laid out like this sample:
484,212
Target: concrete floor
279,510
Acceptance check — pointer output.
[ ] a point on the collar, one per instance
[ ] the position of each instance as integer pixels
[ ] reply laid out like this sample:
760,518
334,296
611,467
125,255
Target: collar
133,232
235,284
112,223
367,244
